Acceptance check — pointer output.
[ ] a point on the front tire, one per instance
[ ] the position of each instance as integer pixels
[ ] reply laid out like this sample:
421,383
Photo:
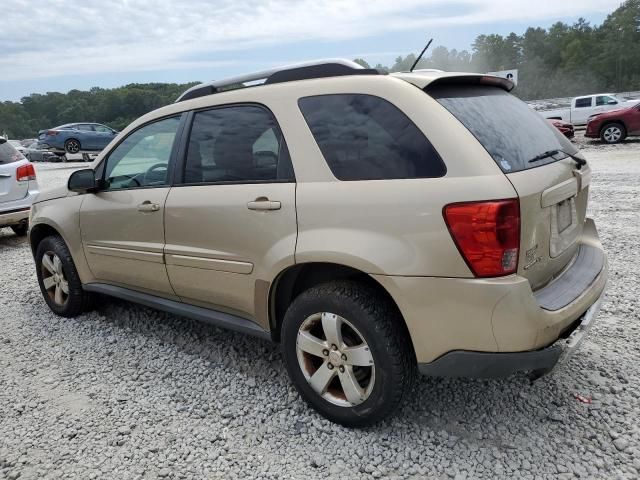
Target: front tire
613,133
59,280
347,352
72,146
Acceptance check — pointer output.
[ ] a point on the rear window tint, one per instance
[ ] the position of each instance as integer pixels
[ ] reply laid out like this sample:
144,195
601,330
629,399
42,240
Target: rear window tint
363,137
8,154
506,127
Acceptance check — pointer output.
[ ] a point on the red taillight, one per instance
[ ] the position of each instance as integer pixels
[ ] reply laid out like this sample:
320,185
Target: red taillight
26,172
52,133
487,235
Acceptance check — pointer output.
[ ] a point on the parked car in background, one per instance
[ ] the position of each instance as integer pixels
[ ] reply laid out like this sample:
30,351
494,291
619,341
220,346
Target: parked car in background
584,107
36,153
563,127
28,141
17,144
76,137
296,211
18,188
615,126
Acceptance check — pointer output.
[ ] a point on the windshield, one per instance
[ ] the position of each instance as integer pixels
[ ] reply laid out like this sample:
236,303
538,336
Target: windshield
506,127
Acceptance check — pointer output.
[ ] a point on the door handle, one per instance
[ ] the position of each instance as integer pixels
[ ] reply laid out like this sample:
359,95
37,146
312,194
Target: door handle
5,175
147,206
263,203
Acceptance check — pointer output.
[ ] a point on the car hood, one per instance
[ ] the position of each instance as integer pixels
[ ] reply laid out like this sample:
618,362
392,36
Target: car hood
53,193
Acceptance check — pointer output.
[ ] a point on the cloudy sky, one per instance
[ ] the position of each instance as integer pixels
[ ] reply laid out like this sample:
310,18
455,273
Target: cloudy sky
57,45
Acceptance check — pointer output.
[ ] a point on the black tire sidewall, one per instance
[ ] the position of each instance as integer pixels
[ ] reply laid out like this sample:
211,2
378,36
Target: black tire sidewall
20,230
76,301
372,409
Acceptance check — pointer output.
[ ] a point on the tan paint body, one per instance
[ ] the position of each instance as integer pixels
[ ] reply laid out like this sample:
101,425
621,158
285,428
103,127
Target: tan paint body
215,252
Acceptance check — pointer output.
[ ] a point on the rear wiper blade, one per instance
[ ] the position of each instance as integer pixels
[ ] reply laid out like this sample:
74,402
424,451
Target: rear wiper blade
580,162
543,155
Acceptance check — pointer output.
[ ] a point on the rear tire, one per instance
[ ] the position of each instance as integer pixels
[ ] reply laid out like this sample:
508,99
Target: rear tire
361,380
72,146
613,133
20,229
59,280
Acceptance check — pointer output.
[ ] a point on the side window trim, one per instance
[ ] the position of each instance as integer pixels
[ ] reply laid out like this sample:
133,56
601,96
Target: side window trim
101,168
187,127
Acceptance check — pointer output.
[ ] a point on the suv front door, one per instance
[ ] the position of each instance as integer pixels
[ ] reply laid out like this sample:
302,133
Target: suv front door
230,225
122,225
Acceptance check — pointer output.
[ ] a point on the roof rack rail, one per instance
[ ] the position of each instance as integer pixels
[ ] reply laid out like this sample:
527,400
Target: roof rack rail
300,71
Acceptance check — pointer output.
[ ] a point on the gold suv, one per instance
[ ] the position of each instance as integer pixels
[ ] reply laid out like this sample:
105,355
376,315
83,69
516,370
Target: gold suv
372,224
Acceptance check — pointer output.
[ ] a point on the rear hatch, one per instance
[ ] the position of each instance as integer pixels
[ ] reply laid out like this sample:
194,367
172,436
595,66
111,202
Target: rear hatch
534,156
10,160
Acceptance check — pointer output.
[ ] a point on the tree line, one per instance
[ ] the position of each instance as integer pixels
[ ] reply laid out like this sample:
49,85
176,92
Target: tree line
563,60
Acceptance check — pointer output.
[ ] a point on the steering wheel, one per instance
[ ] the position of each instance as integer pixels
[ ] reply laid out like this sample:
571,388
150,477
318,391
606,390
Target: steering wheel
152,169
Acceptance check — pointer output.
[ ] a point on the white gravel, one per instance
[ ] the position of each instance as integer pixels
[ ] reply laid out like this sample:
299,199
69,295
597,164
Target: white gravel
128,392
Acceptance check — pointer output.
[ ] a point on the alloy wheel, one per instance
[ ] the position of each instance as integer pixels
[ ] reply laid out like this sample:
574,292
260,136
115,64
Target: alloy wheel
612,134
73,146
53,279
335,359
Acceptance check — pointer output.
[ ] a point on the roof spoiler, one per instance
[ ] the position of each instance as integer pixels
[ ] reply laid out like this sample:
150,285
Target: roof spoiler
471,79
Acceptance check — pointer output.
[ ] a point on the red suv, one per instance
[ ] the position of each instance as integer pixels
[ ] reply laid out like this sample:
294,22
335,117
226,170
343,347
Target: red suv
616,125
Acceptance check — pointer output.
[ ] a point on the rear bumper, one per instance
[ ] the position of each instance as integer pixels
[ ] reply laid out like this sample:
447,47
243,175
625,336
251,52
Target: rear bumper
13,217
490,365
17,211
498,316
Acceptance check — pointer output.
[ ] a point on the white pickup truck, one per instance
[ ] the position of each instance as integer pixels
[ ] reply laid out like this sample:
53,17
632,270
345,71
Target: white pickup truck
584,107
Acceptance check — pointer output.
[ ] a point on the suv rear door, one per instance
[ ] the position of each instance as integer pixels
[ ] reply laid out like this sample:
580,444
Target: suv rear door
552,191
231,219
10,160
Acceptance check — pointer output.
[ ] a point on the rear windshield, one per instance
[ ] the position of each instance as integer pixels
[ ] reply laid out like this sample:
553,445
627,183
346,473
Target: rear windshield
8,154
506,127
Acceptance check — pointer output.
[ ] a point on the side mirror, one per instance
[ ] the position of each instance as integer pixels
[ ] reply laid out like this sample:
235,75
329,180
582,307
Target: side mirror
82,181
612,102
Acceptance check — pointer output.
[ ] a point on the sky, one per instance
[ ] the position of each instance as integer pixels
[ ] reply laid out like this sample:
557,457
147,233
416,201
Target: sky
59,45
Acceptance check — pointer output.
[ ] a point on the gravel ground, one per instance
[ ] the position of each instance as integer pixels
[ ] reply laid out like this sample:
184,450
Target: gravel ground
128,392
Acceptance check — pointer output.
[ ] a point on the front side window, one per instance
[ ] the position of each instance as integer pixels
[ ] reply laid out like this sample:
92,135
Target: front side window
102,129
363,137
583,102
241,144
142,159
605,100
85,128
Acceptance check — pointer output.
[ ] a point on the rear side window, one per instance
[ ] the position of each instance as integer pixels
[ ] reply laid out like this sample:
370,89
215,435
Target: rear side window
8,154
583,102
363,137
510,131
240,144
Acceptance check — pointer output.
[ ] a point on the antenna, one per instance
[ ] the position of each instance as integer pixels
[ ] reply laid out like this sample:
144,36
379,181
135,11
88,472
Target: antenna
420,56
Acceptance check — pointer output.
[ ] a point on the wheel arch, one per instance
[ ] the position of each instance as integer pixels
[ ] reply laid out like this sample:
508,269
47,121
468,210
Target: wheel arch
39,232
295,279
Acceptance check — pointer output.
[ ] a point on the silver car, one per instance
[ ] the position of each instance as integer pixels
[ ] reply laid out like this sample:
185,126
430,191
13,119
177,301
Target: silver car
18,187
34,153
